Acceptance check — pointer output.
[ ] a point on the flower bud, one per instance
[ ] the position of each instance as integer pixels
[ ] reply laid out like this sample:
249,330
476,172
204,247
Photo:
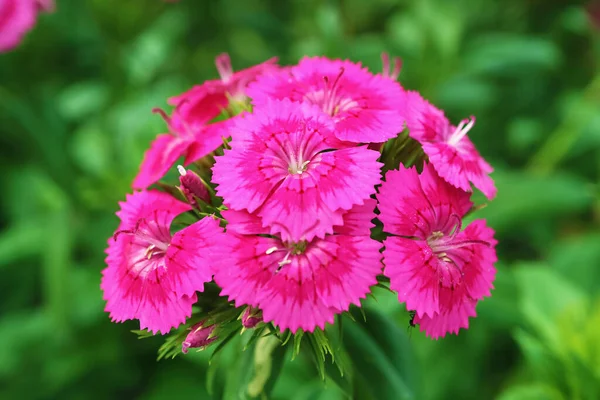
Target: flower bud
200,336
192,186
251,317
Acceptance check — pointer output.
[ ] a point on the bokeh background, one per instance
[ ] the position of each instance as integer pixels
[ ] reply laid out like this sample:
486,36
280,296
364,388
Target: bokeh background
75,101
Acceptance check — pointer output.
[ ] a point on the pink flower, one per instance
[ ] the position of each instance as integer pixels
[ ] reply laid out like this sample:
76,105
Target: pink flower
152,276
17,17
180,141
449,149
303,284
438,270
200,336
204,102
285,164
365,107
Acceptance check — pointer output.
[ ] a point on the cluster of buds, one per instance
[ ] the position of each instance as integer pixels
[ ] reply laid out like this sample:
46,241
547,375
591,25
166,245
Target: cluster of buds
287,168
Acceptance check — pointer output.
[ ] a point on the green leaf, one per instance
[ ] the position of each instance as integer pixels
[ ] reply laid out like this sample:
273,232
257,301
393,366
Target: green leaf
544,295
380,356
268,361
523,199
577,259
533,391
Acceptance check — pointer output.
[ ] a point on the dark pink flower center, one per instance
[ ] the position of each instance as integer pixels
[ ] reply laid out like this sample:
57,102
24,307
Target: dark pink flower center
446,246
297,153
290,249
330,99
147,247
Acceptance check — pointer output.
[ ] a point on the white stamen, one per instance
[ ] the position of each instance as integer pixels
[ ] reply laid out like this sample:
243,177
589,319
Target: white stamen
271,250
181,170
461,131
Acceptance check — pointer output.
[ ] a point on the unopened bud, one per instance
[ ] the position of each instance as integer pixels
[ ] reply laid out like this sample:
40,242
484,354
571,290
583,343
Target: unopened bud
200,336
251,317
192,186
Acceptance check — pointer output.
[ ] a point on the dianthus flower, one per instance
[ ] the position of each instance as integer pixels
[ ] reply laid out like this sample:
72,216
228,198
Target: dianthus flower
204,102
301,284
17,17
449,149
285,164
152,276
181,140
438,270
365,107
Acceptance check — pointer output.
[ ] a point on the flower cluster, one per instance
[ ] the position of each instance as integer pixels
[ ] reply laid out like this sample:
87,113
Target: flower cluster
290,170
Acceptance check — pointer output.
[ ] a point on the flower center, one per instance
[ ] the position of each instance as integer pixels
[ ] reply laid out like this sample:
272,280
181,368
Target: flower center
297,166
329,98
446,248
290,249
149,245
461,130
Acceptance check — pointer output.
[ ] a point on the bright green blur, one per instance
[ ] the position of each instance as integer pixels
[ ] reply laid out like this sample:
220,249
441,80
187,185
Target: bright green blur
75,119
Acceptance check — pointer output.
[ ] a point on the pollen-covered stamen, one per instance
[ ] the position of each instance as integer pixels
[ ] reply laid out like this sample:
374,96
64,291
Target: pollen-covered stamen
223,63
461,130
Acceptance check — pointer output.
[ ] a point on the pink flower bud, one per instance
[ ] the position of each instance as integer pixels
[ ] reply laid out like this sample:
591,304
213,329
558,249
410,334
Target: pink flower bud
192,185
198,337
251,317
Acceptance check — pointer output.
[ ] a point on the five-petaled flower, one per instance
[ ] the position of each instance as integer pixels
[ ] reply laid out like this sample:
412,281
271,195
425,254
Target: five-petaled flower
438,269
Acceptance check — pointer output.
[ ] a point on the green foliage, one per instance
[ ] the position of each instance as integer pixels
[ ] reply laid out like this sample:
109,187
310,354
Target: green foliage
75,113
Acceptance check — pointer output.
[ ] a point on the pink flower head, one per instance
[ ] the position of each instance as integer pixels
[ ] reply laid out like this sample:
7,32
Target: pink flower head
449,149
438,270
298,285
152,276
17,17
365,107
285,164
204,102
181,140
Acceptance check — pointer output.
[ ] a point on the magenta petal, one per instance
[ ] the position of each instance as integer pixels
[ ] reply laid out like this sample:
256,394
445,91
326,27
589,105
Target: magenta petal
244,223
136,284
161,156
358,220
349,176
412,268
331,275
479,272
366,107
239,180
243,266
17,17
190,259
298,216
454,314
451,152
418,205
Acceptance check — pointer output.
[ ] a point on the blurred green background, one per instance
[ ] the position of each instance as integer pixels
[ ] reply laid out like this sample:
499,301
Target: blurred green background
75,119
